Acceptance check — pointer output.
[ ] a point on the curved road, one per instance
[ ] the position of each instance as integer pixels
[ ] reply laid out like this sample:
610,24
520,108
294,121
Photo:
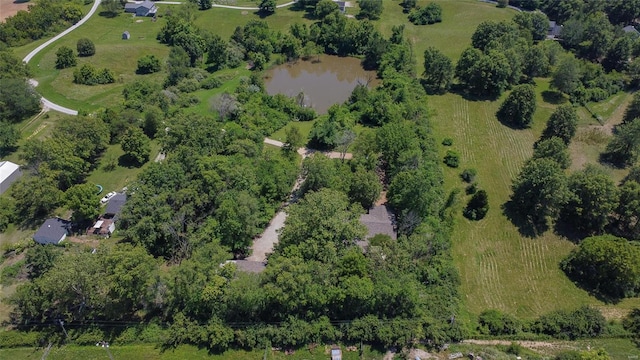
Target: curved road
46,103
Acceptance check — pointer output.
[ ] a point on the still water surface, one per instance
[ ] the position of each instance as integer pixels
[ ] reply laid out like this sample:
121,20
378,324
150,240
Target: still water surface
324,83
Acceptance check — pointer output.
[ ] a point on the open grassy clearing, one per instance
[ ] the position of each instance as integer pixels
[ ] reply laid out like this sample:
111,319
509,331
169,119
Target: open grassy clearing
151,352
500,268
459,20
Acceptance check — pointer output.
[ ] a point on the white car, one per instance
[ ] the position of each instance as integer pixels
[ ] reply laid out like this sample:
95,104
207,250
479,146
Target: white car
107,197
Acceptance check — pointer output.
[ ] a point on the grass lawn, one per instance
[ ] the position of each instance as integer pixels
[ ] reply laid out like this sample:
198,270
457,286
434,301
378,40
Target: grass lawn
151,352
499,267
459,20
121,176
303,126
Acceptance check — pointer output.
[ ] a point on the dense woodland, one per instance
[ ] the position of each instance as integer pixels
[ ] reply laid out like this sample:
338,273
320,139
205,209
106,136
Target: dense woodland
219,186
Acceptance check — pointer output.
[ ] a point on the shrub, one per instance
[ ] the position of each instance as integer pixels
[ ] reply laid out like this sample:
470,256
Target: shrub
429,14
188,85
148,64
494,322
503,3
447,141
85,47
211,82
452,159
471,189
65,58
469,175
14,338
585,322
87,74
478,206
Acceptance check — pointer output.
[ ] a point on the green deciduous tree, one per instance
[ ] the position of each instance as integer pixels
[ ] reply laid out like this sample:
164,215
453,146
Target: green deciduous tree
268,6
148,64
9,137
370,9
324,8
217,52
82,200
518,108
540,190
438,71
624,147
36,197
65,58
238,215
19,100
204,4
566,77
562,124
321,219
555,149
593,198
430,14
85,47
633,110
40,259
626,220
607,265
135,145
478,206
365,187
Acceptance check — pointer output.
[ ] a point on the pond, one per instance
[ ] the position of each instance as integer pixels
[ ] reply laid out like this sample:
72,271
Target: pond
324,80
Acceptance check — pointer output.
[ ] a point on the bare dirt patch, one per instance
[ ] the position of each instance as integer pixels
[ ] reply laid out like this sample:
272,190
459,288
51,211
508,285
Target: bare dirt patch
11,7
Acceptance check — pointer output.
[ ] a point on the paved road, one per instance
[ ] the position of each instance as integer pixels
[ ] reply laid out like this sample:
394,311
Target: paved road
46,103
251,8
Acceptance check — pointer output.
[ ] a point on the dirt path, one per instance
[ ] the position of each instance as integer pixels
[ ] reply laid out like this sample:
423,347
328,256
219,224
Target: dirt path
616,117
306,152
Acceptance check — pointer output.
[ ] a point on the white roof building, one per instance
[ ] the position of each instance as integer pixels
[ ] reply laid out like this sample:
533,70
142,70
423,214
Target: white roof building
9,172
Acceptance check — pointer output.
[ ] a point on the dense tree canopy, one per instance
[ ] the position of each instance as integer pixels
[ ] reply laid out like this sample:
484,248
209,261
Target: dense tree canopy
562,124
19,100
607,265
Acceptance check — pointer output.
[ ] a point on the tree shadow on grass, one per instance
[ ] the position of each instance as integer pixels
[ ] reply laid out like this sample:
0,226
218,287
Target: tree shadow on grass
554,97
528,226
108,14
459,89
593,291
128,162
569,232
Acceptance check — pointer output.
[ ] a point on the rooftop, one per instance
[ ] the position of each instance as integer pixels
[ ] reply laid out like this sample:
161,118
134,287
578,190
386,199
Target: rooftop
52,231
114,206
378,221
6,169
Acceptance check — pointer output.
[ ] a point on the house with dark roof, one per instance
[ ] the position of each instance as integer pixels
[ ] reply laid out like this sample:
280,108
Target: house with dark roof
106,224
115,204
9,173
631,30
379,220
144,8
53,231
554,31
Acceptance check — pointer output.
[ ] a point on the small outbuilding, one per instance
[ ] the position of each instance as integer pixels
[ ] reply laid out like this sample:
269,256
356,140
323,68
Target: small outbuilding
9,173
53,231
554,31
126,35
336,353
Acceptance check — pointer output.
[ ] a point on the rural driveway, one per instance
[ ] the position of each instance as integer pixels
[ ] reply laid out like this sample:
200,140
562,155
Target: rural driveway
46,103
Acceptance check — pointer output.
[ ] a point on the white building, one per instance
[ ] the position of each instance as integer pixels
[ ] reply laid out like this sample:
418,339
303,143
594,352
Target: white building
9,172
